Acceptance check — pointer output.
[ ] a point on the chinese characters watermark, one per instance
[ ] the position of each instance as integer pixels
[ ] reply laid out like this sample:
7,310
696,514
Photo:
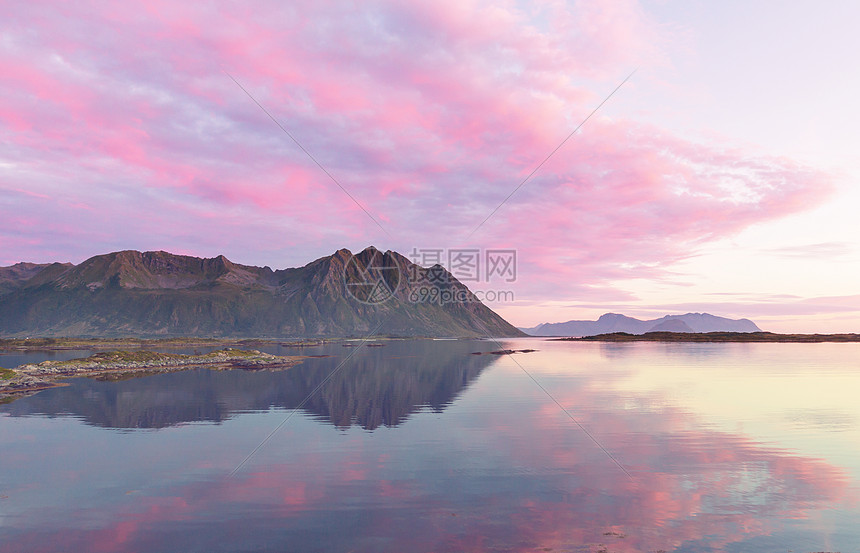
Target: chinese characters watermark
431,275
470,264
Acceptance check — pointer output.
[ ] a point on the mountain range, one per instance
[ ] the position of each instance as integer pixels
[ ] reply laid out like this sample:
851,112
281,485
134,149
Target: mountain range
159,294
614,322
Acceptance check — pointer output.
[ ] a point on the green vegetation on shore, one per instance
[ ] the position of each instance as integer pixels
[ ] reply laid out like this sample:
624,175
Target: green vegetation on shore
715,337
51,344
27,344
117,364
145,359
141,357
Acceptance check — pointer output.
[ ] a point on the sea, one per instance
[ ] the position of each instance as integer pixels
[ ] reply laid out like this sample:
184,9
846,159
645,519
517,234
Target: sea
447,446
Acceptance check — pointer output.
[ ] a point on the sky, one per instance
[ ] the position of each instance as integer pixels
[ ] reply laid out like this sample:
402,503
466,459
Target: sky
720,177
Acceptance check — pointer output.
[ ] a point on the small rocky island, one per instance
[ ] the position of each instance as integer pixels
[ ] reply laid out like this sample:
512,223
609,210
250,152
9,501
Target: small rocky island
115,365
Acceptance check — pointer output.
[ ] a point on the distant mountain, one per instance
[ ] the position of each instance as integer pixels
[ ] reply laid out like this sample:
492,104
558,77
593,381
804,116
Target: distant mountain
613,322
154,294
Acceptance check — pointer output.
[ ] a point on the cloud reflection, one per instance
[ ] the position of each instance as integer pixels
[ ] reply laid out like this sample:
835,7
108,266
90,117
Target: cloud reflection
517,477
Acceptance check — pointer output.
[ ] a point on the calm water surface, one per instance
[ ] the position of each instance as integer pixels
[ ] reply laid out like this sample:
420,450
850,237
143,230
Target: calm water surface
422,447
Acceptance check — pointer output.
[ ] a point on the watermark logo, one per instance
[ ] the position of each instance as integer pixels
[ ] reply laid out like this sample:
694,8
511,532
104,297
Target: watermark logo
470,264
370,280
435,275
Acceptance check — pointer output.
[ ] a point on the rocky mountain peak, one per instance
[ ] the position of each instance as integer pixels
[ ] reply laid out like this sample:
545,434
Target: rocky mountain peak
131,293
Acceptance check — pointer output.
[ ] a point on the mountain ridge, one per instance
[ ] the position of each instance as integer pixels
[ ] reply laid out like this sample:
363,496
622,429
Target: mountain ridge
160,294
615,322
15,276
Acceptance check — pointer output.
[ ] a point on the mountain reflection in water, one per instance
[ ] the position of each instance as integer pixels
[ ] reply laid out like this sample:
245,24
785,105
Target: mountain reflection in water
725,445
375,387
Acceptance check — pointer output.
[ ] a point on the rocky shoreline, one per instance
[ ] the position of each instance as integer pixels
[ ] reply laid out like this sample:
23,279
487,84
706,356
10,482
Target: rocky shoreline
60,344
30,378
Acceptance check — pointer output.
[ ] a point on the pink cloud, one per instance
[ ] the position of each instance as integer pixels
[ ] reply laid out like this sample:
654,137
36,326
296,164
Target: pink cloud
430,114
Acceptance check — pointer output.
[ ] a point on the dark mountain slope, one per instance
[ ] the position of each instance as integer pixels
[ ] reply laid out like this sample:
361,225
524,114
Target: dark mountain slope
130,293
